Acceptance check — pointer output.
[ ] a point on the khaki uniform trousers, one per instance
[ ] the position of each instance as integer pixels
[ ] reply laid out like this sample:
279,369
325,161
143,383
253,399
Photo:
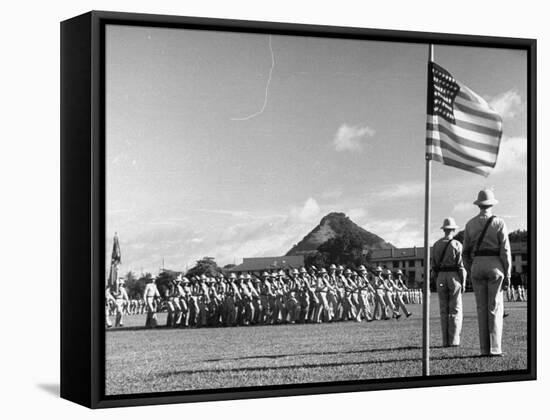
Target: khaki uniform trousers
449,290
119,312
151,319
380,309
487,279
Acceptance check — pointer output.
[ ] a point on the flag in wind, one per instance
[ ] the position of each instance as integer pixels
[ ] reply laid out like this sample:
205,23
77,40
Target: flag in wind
115,261
462,129
115,255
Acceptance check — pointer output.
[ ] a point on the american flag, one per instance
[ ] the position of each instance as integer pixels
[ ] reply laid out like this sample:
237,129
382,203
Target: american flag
462,129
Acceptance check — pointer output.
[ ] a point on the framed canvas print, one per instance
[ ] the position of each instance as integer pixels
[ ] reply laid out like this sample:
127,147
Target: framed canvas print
255,209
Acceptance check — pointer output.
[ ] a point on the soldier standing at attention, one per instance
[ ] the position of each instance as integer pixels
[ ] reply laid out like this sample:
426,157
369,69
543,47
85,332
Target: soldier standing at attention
487,256
451,283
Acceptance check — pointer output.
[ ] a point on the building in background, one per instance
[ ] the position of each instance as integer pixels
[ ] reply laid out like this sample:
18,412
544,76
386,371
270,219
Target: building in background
261,264
411,261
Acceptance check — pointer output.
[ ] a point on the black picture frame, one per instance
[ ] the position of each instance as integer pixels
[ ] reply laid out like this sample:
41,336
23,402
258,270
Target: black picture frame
83,204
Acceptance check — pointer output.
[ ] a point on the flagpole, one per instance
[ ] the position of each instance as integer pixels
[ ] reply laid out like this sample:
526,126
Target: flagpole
426,299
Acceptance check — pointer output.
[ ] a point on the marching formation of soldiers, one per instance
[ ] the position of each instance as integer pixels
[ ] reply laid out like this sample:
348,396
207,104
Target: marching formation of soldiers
278,297
517,292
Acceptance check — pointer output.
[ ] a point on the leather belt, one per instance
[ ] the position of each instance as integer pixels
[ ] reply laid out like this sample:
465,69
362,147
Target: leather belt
488,253
448,269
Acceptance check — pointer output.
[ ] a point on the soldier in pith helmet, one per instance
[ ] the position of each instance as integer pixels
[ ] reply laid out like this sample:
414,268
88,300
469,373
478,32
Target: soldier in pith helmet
109,300
151,295
400,290
380,309
487,255
389,293
450,274
322,286
121,299
365,291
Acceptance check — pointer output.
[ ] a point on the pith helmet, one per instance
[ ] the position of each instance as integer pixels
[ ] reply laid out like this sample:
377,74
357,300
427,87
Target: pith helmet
449,223
332,267
362,268
303,270
377,269
486,198
313,268
281,273
295,271
202,277
232,276
185,280
265,274
341,267
322,271
387,272
348,271
247,276
398,272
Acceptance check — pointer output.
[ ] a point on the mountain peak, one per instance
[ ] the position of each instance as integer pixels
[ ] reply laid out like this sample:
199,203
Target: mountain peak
337,225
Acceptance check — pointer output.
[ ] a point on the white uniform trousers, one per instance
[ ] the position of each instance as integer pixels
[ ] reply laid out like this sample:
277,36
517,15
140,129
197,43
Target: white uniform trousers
487,279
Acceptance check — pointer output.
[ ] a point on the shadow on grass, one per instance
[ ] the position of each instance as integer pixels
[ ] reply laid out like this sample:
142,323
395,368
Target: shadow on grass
307,366
320,353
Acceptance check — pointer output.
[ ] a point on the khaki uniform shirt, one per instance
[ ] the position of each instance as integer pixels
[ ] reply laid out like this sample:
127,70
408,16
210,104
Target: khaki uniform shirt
496,239
150,291
452,257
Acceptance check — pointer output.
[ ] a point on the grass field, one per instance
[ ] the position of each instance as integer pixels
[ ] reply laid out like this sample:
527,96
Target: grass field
163,359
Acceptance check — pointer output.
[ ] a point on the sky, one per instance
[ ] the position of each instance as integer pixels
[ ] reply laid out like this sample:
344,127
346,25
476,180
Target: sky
234,145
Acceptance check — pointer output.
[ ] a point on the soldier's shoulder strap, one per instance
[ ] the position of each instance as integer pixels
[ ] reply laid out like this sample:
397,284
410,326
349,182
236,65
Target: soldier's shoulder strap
483,233
442,256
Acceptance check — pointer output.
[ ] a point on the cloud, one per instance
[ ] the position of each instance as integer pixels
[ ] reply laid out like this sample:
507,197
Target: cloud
403,190
332,194
512,155
400,232
228,237
463,207
357,214
349,138
234,213
308,212
508,104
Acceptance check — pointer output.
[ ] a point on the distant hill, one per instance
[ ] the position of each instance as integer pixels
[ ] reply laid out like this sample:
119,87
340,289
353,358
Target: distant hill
338,226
